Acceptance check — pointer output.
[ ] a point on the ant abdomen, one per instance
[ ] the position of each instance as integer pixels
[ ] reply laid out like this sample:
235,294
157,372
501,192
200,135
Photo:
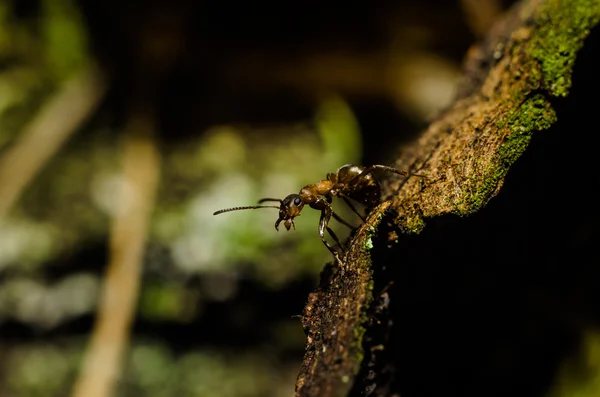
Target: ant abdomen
364,190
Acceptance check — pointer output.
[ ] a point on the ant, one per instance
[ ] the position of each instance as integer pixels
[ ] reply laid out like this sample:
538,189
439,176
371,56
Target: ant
348,182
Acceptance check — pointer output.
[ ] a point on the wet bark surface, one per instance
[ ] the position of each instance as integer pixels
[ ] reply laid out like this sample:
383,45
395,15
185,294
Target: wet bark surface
427,301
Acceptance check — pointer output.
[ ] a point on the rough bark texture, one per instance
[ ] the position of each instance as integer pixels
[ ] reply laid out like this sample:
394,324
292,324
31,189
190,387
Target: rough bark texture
505,97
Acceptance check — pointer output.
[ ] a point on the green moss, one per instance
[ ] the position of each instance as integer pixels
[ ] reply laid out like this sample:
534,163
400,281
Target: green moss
368,245
563,26
500,123
490,184
371,285
359,333
415,224
535,114
360,328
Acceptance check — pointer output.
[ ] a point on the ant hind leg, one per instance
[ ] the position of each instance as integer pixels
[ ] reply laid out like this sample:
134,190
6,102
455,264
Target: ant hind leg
374,167
353,208
341,220
335,238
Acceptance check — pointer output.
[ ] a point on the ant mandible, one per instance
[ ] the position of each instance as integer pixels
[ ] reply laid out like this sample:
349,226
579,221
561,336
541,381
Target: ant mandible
349,182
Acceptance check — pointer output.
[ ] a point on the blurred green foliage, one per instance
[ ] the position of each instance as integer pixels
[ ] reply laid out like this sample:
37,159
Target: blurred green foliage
339,131
64,39
68,205
36,55
67,209
580,374
151,369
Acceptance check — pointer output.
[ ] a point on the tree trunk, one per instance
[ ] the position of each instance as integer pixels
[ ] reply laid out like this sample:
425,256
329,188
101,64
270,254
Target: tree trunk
482,305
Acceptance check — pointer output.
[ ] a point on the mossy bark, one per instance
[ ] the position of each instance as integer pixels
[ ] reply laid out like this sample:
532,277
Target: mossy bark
505,97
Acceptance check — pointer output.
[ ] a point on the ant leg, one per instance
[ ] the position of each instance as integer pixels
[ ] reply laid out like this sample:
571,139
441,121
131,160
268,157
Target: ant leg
374,167
268,199
336,216
340,220
347,201
335,238
326,213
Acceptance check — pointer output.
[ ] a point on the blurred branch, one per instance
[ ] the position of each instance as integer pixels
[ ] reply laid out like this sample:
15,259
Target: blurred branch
102,362
508,83
481,14
46,133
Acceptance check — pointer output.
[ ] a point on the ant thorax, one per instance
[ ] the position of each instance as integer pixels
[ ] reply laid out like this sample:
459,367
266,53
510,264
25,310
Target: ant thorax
310,193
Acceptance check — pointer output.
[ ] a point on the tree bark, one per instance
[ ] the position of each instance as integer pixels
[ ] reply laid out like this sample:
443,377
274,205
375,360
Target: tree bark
509,90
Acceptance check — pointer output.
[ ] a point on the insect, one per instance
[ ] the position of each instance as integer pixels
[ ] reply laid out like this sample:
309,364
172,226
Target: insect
348,182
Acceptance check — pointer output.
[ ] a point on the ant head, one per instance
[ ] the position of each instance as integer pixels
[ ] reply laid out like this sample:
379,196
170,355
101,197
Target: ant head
289,209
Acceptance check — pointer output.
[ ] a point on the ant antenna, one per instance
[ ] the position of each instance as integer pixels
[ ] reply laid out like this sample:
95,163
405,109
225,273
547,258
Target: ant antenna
268,199
244,208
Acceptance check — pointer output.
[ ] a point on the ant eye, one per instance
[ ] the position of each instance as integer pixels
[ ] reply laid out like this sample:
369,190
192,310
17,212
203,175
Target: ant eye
297,201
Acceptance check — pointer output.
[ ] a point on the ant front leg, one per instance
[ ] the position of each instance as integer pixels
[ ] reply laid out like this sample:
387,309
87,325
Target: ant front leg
338,218
326,213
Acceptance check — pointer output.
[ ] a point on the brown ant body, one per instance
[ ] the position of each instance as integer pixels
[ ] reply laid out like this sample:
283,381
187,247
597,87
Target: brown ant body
349,182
